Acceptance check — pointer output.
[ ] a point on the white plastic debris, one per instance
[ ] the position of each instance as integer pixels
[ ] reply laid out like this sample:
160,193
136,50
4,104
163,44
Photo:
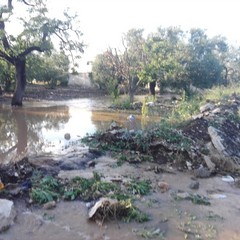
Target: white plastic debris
228,178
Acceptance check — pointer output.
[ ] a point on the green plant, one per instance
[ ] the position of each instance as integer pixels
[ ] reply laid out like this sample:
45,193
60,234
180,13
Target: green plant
46,189
88,189
133,213
139,187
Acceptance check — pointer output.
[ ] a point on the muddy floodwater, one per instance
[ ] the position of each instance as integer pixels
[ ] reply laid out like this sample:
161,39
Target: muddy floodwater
40,128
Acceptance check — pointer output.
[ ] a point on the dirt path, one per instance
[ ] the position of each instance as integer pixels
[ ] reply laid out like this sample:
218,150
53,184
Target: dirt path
169,218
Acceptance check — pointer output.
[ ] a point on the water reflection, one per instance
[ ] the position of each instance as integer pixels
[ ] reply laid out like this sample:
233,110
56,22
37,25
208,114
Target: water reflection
39,127
22,129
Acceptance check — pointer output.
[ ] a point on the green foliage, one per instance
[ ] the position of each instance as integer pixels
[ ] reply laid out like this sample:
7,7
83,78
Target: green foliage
221,93
122,103
136,187
88,189
104,74
6,76
37,33
51,69
185,109
46,189
168,57
133,213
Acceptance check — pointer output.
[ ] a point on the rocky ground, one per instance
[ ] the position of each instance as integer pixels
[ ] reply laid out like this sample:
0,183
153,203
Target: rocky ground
194,190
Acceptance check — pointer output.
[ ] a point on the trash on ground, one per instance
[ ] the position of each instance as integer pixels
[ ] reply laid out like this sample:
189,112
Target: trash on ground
228,178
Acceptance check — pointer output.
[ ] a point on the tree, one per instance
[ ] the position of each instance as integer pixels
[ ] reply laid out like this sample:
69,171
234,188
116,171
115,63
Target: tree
114,68
105,74
165,59
133,58
205,67
38,31
49,69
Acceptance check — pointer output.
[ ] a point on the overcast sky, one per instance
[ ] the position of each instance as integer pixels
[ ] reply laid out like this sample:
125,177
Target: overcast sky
104,21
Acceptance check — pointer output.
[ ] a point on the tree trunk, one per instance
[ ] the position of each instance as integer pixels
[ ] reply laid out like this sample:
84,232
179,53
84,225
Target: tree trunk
20,66
152,86
131,90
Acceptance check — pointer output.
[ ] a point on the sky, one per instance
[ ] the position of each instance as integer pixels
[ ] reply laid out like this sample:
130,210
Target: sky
103,22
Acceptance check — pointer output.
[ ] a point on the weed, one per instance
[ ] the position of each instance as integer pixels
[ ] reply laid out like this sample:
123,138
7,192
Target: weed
199,199
88,189
136,187
150,234
46,189
133,213
213,217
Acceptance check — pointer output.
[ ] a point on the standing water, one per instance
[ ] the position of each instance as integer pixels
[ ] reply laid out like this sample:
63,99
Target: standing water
51,127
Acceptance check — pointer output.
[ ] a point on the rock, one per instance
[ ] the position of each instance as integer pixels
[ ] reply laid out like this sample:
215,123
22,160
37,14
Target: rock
7,214
163,186
202,172
237,183
209,163
216,139
183,195
200,115
194,185
67,136
91,164
207,107
216,110
49,205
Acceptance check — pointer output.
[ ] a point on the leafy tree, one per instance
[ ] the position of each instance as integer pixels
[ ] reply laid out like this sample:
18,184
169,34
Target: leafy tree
104,73
205,67
165,59
113,68
132,59
48,69
6,75
37,33
231,65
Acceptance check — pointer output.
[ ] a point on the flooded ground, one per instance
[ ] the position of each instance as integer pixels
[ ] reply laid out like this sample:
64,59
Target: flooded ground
51,127
40,128
169,218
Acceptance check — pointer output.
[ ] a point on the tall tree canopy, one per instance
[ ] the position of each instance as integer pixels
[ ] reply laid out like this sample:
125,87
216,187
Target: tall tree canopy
36,32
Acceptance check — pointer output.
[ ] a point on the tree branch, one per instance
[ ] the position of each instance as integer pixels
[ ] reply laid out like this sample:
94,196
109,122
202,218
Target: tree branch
29,50
6,57
25,2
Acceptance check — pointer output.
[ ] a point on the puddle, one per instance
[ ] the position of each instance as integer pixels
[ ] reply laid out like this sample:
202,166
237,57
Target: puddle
39,127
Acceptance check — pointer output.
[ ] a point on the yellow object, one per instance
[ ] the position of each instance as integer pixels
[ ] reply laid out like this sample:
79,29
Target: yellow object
1,185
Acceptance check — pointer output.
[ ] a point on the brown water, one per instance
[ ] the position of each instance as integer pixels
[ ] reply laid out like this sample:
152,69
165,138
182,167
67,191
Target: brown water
39,127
